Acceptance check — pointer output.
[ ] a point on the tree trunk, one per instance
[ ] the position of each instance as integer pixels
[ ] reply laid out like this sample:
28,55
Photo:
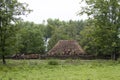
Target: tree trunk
3,59
114,56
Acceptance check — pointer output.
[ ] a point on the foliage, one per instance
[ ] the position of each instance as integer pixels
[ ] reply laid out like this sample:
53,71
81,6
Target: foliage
87,40
106,15
53,62
51,26
65,31
58,35
10,10
31,38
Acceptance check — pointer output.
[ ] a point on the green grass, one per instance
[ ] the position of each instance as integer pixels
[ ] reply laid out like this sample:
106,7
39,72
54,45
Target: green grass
64,70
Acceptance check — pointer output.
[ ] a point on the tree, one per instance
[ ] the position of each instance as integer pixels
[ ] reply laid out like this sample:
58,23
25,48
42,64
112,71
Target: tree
66,31
106,15
88,38
31,38
58,35
50,28
73,28
10,10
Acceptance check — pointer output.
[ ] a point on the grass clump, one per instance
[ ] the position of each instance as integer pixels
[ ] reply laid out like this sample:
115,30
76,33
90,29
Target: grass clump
53,62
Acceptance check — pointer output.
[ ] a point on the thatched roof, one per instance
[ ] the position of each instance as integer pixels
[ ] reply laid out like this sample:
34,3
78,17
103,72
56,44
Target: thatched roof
66,47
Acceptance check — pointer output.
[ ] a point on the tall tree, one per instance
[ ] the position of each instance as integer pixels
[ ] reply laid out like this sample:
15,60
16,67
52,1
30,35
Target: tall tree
88,39
66,30
106,15
31,38
50,28
10,10
59,34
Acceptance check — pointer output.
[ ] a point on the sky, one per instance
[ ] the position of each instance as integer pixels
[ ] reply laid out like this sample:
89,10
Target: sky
55,9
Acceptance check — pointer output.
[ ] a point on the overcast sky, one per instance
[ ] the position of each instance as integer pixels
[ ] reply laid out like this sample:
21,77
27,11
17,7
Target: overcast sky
55,9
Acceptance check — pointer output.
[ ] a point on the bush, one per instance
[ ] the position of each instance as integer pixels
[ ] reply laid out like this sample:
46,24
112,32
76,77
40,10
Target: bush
53,62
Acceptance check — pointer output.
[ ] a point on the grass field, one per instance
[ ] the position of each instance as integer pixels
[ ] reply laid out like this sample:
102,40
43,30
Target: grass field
64,70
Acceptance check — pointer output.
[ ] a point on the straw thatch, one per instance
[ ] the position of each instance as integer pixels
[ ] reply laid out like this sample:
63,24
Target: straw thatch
66,47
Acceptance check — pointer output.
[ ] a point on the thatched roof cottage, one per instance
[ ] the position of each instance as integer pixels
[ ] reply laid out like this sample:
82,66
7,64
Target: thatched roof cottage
66,47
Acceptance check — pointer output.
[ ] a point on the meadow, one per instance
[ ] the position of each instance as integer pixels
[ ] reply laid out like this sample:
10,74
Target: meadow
60,70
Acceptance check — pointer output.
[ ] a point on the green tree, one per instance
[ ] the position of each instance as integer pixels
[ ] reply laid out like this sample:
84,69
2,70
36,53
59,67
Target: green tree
73,28
106,15
58,35
88,39
50,28
66,31
10,10
31,38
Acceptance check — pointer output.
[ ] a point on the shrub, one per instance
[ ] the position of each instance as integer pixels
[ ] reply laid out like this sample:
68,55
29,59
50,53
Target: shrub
53,62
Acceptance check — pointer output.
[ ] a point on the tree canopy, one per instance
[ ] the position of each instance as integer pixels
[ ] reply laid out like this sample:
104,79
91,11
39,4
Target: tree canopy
10,10
106,15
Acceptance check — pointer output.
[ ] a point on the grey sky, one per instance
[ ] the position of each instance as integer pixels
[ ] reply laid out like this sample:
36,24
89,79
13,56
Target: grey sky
60,9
